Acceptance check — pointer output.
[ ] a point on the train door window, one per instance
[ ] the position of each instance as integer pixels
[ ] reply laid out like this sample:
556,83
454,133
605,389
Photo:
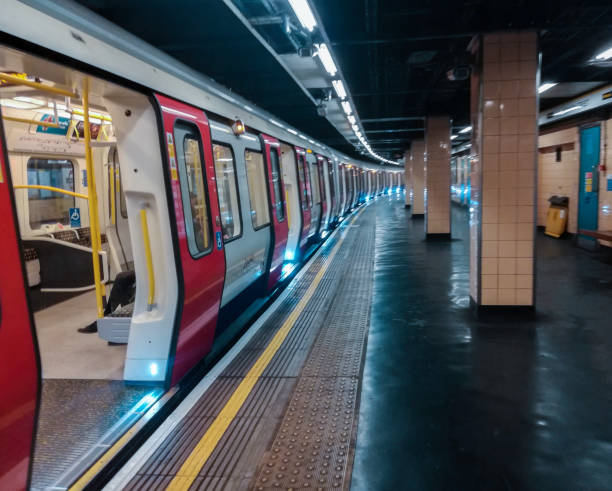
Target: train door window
258,196
307,188
276,184
45,206
330,173
227,189
314,184
302,179
192,181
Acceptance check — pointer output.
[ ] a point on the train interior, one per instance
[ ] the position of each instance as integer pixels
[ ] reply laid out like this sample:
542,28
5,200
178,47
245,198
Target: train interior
85,399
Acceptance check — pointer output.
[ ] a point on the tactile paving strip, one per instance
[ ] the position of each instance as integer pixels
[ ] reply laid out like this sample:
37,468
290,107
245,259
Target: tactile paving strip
314,446
233,463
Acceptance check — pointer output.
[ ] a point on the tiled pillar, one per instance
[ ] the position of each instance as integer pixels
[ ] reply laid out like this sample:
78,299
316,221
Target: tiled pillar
504,159
437,176
417,167
408,178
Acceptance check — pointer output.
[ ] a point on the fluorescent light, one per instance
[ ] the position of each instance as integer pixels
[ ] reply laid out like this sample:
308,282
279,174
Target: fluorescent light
352,119
304,13
30,100
604,55
292,131
347,108
565,111
453,137
15,104
339,87
326,58
467,129
355,128
545,87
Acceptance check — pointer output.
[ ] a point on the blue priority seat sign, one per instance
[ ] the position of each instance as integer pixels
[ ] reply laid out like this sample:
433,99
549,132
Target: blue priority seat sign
75,217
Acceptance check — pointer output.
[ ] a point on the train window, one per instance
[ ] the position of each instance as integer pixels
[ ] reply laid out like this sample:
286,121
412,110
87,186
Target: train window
47,207
258,195
276,182
330,172
304,194
227,189
192,181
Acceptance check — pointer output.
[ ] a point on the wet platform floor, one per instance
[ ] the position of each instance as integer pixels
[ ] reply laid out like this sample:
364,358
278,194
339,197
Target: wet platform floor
452,402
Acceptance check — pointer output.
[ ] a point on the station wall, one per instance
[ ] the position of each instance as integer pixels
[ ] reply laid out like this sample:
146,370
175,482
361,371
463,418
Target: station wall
558,173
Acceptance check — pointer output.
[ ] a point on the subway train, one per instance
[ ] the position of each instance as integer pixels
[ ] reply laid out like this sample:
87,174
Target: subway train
119,162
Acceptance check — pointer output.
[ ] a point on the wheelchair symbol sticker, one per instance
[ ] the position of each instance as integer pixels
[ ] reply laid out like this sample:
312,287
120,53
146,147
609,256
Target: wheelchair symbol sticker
219,240
75,217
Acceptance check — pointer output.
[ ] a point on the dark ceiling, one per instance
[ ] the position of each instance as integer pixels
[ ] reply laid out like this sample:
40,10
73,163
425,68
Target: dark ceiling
394,54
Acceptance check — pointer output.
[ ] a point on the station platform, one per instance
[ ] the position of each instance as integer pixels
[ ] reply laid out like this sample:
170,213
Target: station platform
370,371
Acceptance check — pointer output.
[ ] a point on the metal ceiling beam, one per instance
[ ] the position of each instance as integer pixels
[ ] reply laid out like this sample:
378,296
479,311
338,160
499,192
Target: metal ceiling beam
411,39
411,91
392,120
399,130
266,20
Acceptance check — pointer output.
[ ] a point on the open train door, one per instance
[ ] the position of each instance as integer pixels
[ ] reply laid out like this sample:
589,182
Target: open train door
277,204
306,199
19,375
190,167
322,170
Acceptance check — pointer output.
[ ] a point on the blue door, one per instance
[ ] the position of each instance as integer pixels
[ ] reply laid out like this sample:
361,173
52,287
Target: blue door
588,202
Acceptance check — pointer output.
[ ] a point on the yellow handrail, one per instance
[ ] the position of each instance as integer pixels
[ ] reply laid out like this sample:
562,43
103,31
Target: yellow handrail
50,188
149,258
36,85
93,204
46,124
94,115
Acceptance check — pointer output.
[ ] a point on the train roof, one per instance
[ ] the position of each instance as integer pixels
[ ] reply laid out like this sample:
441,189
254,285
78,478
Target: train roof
74,31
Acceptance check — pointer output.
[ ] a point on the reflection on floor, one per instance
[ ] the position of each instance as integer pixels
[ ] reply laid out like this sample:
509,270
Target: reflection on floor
68,354
74,416
453,402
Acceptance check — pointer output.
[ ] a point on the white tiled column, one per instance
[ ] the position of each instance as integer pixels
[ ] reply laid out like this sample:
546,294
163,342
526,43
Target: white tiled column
437,175
408,178
417,169
504,157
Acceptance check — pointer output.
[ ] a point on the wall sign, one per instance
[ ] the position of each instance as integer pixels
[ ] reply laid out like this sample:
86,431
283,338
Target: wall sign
588,182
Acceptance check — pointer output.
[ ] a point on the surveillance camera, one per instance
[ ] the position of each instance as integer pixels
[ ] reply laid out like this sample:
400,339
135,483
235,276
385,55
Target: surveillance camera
459,72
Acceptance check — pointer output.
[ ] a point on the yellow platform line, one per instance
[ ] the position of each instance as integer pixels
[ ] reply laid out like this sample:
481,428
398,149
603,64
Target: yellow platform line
188,472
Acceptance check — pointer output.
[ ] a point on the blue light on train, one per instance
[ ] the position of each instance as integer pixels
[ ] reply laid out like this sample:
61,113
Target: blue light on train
153,369
289,256
397,190
389,192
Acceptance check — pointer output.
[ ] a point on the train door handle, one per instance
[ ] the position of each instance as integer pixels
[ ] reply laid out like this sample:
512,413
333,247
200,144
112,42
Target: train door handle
218,221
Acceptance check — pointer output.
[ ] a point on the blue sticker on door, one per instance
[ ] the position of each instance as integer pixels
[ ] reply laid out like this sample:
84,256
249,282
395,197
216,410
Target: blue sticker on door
75,217
219,240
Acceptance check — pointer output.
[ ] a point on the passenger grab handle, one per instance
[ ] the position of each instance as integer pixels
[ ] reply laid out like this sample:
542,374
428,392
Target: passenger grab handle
149,258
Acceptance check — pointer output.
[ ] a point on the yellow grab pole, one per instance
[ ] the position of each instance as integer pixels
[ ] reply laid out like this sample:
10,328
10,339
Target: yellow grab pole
13,79
50,188
149,258
31,121
94,223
